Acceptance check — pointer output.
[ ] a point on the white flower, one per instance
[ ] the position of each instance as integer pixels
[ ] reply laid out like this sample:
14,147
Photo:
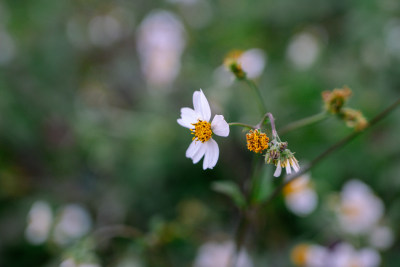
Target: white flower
382,237
74,222
344,255
309,255
160,44
253,62
40,219
197,120
213,254
359,209
300,197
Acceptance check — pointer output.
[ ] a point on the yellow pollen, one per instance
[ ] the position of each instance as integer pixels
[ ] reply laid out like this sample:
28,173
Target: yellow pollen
257,141
202,131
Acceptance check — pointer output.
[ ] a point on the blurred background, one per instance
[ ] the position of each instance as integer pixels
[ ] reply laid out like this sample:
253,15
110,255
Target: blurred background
92,161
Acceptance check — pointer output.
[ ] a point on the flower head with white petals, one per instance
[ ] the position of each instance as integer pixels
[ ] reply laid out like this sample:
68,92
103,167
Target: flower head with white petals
198,121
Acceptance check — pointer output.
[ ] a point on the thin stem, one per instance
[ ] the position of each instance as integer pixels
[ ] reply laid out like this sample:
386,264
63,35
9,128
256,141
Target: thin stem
304,122
332,149
261,104
241,125
272,122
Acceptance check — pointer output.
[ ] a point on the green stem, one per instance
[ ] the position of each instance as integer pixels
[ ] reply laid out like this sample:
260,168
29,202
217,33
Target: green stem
241,125
261,104
332,149
304,122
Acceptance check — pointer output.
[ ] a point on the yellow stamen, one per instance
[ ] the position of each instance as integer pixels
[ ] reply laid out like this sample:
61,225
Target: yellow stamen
257,141
202,131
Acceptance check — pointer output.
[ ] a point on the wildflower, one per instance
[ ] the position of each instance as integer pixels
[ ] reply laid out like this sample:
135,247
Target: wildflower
281,157
381,237
40,219
246,64
354,118
344,255
233,64
197,120
73,223
359,209
213,254
309,255
257,141
335,100
300,197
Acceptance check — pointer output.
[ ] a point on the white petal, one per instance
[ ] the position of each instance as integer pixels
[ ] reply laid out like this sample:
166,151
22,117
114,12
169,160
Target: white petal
278,169
288,169
188,116
219,126
295,165
201,105
192,149
212,154
196,151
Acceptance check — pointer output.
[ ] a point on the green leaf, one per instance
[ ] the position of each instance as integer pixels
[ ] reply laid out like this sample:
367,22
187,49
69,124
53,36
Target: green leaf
232,190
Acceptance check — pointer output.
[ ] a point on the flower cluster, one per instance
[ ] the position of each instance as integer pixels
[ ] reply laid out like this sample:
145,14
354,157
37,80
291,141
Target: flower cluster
334,100
203,145
354,119
257,141
334,104
279,155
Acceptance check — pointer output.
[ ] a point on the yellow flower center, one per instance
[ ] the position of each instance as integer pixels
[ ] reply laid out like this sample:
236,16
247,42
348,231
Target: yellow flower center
299,254
202,131
257,141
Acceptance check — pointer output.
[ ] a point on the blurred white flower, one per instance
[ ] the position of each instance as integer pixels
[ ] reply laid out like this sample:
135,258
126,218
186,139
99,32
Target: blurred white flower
303,50
7,47
213,254
72,263
300,197
344,255
381,237
253,62
359,209
73,223
40,219
197,120
309,255
160,44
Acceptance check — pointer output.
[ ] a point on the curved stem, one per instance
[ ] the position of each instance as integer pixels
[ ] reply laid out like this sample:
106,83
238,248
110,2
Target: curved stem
332,149
304,122
241,125
261,104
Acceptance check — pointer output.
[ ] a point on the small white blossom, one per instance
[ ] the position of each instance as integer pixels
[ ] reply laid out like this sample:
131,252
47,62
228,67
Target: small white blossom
213,254
40,219
381,237
74,222
300,197
344,255
197,120
359,209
